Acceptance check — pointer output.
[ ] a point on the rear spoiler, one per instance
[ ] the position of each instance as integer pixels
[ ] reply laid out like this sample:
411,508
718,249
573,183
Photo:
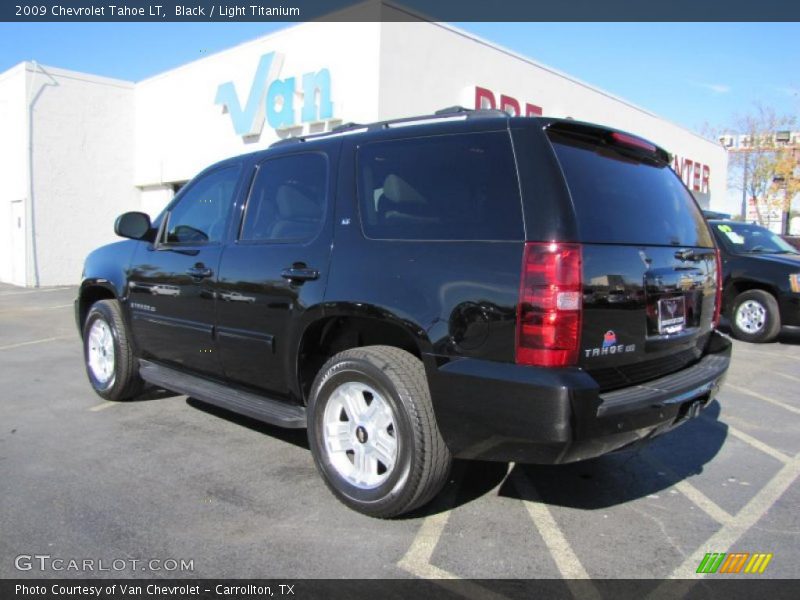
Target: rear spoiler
604,136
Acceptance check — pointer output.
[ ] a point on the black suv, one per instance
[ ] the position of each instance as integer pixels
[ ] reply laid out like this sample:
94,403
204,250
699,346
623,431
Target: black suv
464,284
761,274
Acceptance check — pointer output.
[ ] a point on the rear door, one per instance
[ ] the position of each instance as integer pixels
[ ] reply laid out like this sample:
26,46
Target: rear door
276,269
649,267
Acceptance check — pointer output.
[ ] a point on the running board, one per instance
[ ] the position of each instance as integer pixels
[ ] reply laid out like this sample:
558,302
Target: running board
248,404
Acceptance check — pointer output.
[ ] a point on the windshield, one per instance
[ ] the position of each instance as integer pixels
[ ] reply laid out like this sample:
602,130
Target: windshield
752,239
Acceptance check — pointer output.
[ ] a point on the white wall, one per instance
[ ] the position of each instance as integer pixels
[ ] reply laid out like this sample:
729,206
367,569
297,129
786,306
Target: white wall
154,199
83,163
13,172
180,130
428,66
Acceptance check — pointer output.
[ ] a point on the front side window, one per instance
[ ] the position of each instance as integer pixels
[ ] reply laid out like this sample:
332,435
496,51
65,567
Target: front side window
202,212
448,187
287,200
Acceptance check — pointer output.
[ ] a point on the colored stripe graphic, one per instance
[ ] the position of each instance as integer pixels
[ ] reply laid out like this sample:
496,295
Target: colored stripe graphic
733,563
711,562
758,563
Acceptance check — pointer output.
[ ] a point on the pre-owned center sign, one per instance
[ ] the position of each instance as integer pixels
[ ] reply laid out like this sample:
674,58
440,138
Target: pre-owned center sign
695,175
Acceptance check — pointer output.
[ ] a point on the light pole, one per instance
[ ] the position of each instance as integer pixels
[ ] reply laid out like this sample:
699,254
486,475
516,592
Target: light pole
744,185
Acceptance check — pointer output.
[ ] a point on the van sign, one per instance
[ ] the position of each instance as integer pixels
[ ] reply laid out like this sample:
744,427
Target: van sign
273,99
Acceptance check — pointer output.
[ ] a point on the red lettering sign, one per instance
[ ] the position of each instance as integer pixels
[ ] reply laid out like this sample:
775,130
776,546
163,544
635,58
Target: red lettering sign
509,105
485,98
695,175
531,110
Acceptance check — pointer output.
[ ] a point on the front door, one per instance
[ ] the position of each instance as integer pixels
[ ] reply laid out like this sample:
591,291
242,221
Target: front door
171,289
275,270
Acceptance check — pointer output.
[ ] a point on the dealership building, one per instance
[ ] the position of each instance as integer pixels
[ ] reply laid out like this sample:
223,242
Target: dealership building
76,150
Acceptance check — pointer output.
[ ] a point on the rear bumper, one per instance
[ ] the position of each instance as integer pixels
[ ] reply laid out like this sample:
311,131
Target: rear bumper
501,411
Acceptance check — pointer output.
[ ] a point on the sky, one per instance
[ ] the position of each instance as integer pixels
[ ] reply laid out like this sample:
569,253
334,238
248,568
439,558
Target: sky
698,75
694,74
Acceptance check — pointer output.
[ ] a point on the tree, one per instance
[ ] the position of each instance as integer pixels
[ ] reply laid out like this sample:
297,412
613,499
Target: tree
786,182
759,162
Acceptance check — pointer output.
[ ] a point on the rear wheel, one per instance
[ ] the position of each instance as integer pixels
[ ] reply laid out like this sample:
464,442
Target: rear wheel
110,364
755,317
373,433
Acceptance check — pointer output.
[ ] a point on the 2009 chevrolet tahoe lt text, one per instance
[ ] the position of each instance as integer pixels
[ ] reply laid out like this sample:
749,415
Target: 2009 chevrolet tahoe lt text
465,284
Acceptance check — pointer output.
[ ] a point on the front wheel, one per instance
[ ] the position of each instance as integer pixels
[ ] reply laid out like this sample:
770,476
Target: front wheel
373,433
110,364
755,317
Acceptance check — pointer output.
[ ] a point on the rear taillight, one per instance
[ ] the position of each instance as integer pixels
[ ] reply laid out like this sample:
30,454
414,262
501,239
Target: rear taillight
550,305
718,295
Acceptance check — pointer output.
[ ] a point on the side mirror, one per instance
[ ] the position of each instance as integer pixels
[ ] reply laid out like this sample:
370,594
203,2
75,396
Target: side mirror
134,225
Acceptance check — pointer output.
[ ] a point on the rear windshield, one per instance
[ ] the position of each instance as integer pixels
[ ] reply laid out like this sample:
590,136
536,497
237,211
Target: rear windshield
622,199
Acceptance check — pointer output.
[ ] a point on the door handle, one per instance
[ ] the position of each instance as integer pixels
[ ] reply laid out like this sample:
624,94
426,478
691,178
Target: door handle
199,271
299,274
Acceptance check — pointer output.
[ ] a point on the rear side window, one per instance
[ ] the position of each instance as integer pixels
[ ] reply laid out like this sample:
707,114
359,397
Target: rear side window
450,187
287,200
621,200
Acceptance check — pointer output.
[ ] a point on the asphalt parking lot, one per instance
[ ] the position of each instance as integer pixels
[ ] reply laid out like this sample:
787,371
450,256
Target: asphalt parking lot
166,477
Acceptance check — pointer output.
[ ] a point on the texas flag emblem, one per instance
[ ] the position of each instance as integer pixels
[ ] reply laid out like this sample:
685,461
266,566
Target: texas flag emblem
609,339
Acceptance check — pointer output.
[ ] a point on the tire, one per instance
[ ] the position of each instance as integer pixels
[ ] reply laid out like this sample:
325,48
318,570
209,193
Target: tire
104,333
755,317
354,394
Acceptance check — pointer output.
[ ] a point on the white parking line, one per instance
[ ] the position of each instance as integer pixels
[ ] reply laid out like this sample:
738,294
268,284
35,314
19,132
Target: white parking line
743,349
758,444
747,438
565,558
703,502
42,341
103,406
783,405
417,559
418,556
748,516
35,291
35,308
698,498
786,375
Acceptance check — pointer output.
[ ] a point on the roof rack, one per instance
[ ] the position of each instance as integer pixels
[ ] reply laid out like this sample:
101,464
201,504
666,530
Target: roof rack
475,112
451,112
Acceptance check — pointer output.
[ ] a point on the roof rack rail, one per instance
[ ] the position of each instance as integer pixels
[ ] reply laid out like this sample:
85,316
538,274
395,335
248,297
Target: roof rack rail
346,126
450,112
473,112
